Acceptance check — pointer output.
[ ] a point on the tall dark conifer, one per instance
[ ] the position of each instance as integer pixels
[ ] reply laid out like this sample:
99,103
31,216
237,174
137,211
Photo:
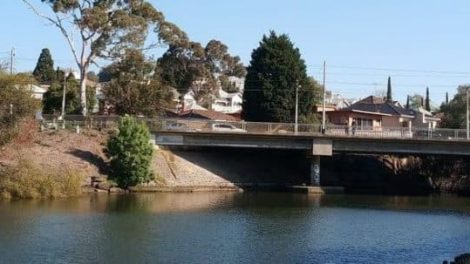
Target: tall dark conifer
276,70
44,70
428,101
389,90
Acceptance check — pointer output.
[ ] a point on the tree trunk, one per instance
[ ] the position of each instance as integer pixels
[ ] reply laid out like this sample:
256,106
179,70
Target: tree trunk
83,103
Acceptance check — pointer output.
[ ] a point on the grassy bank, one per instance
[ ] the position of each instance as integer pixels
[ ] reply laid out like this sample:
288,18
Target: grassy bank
26,180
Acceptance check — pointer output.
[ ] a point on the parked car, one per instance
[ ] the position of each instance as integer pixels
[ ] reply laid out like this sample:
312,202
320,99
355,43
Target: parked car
220,127
179,127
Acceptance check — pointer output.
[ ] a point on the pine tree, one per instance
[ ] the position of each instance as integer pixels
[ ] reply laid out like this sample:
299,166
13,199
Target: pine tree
44,70
428,101
389,90
276,70
130,153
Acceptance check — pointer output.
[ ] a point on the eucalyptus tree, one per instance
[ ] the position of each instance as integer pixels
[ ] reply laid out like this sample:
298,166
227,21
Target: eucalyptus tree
95,29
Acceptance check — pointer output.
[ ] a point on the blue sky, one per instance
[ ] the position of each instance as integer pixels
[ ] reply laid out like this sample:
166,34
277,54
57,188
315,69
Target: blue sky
418,43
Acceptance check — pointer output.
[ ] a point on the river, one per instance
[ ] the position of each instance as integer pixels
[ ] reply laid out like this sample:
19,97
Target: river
235,228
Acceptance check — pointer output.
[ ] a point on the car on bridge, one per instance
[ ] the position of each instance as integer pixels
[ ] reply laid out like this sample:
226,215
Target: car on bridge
223,127
179,127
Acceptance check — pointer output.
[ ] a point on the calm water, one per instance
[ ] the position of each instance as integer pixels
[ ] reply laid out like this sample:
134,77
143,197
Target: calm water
235,228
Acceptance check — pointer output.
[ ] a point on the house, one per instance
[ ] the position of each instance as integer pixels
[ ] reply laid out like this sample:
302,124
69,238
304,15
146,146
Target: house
376,113
228,103
37,91
373,113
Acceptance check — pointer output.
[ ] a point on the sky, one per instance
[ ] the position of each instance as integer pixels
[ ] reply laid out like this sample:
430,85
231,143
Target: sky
418,43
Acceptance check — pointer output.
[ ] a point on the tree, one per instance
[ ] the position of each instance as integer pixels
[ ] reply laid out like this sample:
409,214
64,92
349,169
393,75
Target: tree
52,99
416,101
44,71
130,153
407,102
16,103
455,111
427,105
104,28
133,88
389,90
275,71
192,67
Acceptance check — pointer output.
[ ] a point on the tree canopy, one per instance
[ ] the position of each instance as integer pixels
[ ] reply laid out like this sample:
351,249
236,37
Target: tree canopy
275,71
190,66
52,99
104,28
133,89
455,111
16,102
44,71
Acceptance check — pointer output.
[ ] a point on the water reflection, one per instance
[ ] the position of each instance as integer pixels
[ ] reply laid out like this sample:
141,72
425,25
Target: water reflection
235,228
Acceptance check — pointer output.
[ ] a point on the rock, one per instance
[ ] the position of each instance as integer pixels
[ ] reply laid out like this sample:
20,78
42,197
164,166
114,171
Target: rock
117,190
105,185
100,191
98,179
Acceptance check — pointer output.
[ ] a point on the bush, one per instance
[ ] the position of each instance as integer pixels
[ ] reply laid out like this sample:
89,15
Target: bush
130,153
28,181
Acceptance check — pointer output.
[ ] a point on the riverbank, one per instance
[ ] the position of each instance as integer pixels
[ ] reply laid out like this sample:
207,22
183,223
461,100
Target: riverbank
219,169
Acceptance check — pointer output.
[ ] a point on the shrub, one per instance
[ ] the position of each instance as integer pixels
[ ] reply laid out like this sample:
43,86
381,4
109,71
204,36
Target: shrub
26,180
130,153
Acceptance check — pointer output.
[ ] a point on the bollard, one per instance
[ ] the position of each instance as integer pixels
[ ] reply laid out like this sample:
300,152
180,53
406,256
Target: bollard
77,129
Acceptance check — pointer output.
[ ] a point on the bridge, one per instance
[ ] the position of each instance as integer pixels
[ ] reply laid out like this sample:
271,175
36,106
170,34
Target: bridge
310,138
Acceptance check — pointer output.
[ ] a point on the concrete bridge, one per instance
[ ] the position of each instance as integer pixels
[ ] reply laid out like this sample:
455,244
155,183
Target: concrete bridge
184,133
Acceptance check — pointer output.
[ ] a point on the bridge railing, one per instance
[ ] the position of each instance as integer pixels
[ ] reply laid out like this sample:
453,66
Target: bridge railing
210,126
264,128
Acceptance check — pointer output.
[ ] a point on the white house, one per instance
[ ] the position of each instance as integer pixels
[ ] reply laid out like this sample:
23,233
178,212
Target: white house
228,103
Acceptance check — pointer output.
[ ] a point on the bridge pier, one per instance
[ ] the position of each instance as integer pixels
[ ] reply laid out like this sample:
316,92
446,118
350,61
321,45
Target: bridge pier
315,171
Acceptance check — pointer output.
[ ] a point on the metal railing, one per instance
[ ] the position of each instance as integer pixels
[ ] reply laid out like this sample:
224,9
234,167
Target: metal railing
195,126
262,128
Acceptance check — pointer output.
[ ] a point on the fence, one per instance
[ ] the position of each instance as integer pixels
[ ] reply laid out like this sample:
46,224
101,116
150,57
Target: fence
263,128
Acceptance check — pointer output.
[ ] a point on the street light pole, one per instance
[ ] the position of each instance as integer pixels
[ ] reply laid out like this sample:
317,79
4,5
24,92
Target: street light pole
296,126
323,122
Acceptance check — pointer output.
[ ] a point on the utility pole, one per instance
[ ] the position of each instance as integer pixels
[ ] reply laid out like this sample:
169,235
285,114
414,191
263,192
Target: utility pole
467,118
63,97
12,56
296,127
323,121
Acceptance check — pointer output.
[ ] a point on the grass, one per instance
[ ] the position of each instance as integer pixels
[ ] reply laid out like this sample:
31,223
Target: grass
26,180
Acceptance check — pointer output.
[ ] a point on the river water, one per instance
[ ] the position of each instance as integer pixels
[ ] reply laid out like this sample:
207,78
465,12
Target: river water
235,228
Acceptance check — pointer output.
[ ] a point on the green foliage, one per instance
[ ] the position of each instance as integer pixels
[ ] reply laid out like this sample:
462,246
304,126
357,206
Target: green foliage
455,111
133,89
130,152
275,70
389,90
44,71
15,96
52,99
191,66
427,104
106,28
227,85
